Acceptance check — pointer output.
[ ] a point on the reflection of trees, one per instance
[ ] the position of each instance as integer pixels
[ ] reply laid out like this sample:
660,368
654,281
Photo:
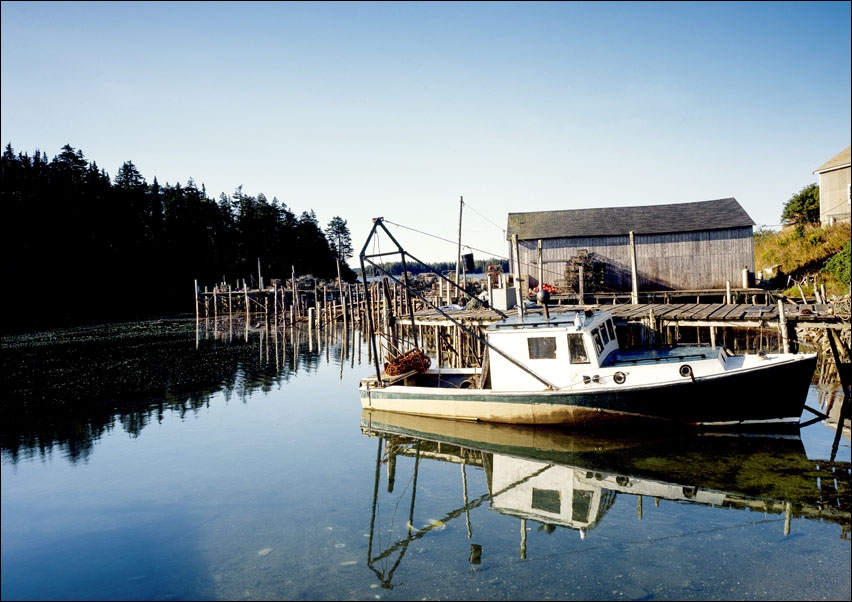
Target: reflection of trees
65,389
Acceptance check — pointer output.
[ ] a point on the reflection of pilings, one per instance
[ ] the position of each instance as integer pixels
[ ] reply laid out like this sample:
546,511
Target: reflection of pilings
788,517
464,499
274,341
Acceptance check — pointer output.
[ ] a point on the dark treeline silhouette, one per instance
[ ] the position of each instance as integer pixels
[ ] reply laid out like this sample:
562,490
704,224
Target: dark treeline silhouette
80,247
447,268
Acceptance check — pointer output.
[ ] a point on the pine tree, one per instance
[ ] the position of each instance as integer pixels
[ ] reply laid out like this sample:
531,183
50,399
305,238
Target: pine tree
339,238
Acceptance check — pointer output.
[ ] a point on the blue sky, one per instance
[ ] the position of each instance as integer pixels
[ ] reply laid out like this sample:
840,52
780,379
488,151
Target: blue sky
398,109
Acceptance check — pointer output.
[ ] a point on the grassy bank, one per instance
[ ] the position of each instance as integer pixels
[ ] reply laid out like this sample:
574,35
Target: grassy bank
808,254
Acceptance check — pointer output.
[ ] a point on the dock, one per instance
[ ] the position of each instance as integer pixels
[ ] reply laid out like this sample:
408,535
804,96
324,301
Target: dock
741,320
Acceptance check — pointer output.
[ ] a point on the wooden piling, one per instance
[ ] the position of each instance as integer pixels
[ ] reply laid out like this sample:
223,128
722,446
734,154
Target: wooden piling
782,327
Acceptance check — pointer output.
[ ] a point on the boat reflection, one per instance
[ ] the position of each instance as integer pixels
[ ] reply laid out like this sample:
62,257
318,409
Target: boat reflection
566,480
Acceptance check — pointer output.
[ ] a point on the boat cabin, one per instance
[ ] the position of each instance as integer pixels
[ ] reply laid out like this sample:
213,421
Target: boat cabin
553,347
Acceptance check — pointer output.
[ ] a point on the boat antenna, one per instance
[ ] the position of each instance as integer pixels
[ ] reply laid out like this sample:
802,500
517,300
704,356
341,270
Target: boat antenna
458,254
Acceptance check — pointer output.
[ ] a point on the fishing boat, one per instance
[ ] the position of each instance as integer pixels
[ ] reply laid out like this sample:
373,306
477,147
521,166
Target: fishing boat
568,368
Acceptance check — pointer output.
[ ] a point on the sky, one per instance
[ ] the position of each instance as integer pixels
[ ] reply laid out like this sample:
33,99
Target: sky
432,114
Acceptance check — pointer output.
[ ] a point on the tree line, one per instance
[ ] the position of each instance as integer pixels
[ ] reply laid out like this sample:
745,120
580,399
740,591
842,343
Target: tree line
80,246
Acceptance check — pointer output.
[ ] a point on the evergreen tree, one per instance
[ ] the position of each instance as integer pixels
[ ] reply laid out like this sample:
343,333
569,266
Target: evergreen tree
339,238
129,178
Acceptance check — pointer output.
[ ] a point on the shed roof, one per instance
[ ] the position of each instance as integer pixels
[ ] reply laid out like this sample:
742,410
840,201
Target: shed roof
841,159
618,221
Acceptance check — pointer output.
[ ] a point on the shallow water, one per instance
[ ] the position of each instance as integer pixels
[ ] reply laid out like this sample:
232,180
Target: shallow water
159,460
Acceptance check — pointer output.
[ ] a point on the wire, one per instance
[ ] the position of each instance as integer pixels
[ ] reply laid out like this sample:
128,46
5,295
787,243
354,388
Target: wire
503,230
549,275
495,255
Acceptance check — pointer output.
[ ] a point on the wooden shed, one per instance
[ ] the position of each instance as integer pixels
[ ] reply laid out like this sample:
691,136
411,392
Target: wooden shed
835,190
682,246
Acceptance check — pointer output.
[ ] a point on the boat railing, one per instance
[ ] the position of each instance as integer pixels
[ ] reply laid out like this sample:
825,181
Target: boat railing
661,359
406,378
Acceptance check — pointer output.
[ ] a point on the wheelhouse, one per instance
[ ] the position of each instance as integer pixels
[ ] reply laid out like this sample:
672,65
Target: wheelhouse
555,348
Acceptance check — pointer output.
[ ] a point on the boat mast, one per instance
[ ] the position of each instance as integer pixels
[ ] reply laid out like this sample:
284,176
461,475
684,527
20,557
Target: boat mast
458,254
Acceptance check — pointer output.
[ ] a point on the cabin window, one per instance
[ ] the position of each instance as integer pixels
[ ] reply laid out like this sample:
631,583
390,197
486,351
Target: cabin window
611,329
542,348
547,500
581,506
604,335
596,335
577,350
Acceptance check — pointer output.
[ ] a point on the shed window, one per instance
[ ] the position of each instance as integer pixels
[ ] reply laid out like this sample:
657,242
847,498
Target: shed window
577,350
542,348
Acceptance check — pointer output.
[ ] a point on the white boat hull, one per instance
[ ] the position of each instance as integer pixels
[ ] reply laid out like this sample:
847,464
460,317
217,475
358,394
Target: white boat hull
767,391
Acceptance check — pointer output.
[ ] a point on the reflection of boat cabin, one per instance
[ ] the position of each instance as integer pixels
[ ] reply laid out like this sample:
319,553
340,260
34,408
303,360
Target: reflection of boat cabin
574,497
546,493
585,340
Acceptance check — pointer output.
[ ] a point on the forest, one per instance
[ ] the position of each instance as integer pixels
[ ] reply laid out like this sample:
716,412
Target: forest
79,246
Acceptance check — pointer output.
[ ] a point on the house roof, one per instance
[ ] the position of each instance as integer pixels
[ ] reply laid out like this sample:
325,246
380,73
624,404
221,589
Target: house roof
841,159
619,221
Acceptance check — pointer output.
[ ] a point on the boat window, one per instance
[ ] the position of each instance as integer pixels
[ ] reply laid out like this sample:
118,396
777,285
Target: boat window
604,334
581,505
596,335
547,500
542,348
577,350
611,329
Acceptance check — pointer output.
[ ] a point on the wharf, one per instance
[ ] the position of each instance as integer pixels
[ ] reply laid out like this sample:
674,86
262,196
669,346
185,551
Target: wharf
735,320
823,328
693,314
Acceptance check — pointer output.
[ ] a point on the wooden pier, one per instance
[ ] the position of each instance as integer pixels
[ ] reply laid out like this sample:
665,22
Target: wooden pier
453,337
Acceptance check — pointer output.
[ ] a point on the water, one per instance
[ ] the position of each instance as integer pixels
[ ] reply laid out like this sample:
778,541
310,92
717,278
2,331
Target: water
159,461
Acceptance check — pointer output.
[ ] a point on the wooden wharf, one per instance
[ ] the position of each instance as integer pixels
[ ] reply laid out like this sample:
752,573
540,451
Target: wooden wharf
696,314
741,327
452,336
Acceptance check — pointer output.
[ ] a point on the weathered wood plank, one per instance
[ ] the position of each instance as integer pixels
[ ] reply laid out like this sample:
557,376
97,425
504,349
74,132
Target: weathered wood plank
668,311
718,311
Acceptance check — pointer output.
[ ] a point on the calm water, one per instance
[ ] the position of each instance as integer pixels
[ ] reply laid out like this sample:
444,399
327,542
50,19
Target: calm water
160,461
